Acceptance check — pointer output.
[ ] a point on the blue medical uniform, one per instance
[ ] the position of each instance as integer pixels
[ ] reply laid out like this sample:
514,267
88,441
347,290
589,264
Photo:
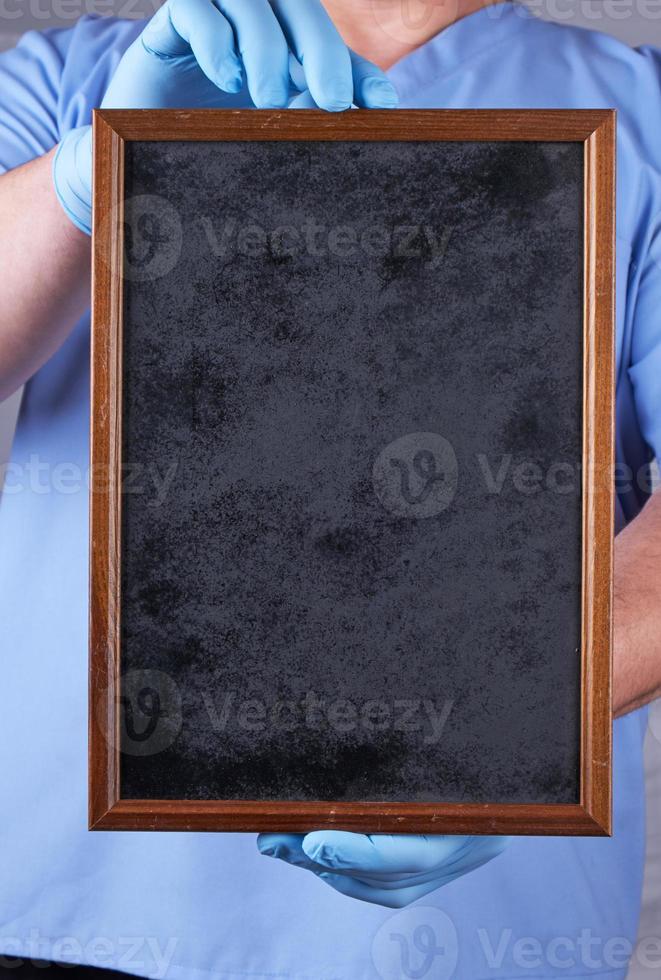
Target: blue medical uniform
198,906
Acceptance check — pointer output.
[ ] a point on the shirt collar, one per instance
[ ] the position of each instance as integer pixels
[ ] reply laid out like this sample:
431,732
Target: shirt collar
456,44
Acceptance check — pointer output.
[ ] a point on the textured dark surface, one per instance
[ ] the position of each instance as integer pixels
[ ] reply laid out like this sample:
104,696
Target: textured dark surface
274,382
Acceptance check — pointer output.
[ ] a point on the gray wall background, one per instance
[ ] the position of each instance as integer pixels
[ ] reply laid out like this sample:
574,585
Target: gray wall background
634,22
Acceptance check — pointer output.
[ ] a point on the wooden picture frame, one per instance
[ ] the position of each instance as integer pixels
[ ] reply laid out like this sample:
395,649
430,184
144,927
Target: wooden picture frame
113,130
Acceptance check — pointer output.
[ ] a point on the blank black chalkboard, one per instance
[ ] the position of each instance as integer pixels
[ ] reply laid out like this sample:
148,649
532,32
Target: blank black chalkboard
344,564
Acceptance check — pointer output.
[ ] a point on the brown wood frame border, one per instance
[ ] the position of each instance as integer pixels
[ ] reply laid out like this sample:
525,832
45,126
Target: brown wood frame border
596,130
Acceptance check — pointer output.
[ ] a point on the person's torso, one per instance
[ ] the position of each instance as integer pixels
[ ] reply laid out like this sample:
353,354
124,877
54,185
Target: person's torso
190,905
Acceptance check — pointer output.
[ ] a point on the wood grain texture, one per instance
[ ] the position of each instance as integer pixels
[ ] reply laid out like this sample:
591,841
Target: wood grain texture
105,468
412,818
358,124
598,470
596,129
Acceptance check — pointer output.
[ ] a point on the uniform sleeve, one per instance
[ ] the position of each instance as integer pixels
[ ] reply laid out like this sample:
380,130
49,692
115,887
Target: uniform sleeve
52,80
645,367
30,81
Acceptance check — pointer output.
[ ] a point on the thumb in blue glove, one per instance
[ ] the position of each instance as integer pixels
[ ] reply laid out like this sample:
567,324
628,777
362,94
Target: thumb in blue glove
197,54
385,870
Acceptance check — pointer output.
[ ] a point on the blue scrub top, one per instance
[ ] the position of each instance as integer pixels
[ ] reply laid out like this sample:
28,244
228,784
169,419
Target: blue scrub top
203,905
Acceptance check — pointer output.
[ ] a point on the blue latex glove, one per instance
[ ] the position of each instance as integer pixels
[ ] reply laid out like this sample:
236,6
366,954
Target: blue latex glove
385,870
197,54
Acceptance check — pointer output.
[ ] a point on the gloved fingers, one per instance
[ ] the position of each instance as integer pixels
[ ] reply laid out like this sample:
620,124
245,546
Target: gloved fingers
395,899
263,50
381,853
287,847
317,45
303,101
392,889
393,894
160,37
208,33
371,88
226,37
393,882
474,853
297,76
